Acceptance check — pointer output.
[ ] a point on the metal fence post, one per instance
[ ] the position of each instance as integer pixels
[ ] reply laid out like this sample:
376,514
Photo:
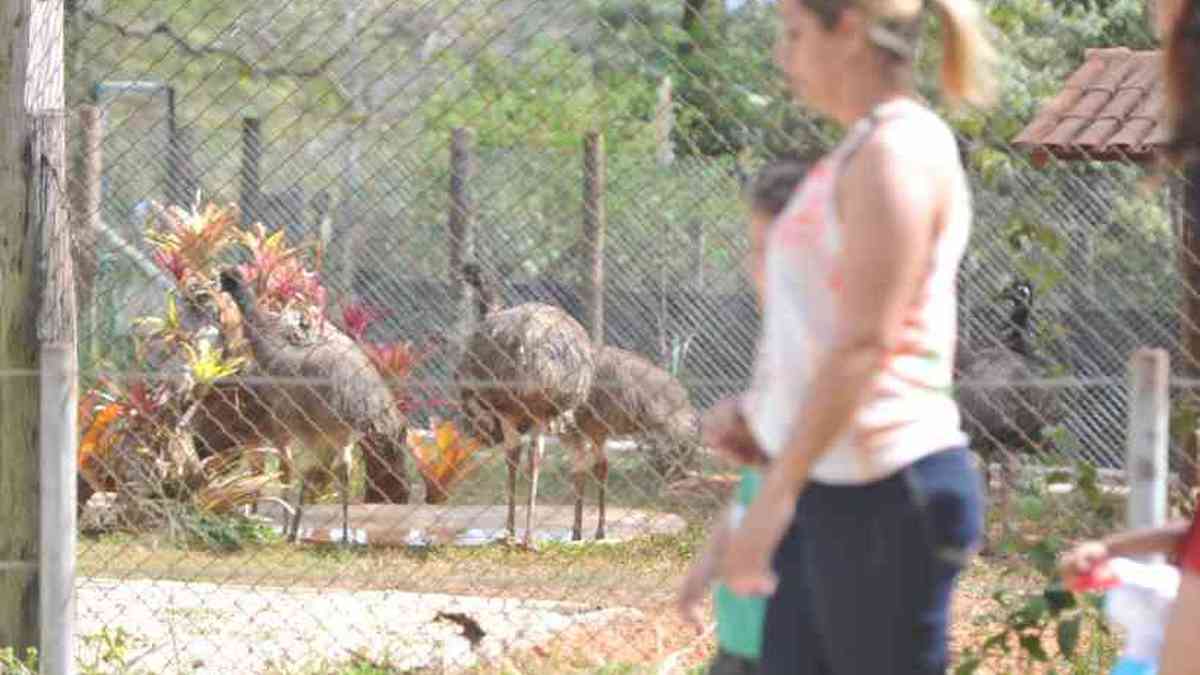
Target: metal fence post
1147,438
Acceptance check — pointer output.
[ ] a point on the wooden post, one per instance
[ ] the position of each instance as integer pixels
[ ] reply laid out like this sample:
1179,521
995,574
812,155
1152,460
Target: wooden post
462,222
1147,438
18,348
696,236
54,303
251,196
86,198
1189,268
176,185
185,164
664,124
594,222
59,399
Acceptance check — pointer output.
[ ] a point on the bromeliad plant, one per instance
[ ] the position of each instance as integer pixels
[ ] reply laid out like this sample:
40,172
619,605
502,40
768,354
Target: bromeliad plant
279,277
191,242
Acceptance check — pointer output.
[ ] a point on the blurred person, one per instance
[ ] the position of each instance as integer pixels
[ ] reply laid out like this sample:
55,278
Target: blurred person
870,505
739,618
1178,22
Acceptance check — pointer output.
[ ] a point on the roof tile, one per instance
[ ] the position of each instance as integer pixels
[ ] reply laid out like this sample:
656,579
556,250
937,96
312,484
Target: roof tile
1111,107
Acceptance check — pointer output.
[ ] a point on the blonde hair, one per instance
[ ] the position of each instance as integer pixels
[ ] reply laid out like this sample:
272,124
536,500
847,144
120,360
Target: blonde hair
967,54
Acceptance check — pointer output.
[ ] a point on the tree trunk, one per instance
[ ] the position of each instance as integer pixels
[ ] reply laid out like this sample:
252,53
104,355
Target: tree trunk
18,349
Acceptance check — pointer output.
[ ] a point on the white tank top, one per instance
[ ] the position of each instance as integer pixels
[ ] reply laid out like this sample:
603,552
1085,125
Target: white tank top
910,411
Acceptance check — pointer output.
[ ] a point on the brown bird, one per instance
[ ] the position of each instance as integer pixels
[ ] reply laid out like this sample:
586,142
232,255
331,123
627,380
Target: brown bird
521,369
630,396
329,394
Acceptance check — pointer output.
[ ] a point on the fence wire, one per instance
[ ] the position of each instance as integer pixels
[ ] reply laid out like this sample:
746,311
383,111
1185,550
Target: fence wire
363,366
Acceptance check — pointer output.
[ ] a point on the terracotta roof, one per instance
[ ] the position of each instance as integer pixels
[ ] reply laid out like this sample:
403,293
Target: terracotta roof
1109,108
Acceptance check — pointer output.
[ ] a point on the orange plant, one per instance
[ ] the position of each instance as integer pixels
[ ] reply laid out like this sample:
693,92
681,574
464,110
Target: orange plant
446,459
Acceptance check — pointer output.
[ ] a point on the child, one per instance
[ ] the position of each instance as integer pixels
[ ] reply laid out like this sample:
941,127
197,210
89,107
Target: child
739,619
1181,541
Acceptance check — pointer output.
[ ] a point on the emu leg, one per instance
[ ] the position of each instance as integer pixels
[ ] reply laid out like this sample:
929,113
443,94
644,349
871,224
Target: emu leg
258,467
580,486
600,471
513,457
344,463
1001,495
579,476
535,460
294,535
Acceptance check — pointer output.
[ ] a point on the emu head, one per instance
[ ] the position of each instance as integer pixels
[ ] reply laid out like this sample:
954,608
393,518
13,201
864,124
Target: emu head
202,313
1019,292
478,420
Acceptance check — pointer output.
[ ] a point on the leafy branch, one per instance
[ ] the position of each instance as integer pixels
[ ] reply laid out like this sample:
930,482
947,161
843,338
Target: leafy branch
248,67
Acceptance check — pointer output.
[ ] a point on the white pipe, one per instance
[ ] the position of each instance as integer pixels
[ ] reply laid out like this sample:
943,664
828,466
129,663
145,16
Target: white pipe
56,458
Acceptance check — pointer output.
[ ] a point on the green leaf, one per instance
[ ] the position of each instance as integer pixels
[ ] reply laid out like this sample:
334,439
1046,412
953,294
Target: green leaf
1044,557
998,640
968,666
1032,644
1059,599
1068,636
1031,614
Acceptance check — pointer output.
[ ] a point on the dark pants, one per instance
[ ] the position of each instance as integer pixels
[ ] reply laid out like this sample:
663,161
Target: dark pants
727,663
866,572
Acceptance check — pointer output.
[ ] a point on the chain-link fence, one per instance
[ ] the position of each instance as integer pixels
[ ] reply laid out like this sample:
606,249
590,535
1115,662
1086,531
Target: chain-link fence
296,451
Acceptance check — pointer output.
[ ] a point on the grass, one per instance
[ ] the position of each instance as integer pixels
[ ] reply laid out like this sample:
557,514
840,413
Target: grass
643,573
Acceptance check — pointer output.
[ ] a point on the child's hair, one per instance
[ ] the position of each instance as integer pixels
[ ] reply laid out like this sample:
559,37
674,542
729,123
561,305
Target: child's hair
769,190
1182,62
967,55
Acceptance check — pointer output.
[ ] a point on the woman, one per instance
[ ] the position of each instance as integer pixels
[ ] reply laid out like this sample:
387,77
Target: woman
851,397
1179,23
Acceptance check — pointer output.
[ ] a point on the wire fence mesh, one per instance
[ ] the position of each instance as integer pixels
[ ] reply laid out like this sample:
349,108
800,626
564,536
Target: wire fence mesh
351,359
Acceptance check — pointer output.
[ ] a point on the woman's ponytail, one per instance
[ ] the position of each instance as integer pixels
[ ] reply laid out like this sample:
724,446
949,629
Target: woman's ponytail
967,55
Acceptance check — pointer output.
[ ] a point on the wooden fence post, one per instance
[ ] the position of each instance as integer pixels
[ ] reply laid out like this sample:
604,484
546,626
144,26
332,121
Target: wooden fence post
19,592
1147,438
462,222
251,187
57,388
594,225
176,184
86,198
1189,267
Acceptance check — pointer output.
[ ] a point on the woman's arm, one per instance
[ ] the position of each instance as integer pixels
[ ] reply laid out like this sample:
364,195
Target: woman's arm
889,199
703,570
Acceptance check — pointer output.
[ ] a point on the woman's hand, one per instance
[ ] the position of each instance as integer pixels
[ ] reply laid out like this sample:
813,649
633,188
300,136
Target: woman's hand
693,591
746,561
724,428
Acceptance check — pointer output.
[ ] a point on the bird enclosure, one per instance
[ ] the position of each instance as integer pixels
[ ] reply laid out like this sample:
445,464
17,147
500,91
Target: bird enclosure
397,321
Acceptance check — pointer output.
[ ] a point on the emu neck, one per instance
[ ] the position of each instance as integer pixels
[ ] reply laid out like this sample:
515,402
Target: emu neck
1016,338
